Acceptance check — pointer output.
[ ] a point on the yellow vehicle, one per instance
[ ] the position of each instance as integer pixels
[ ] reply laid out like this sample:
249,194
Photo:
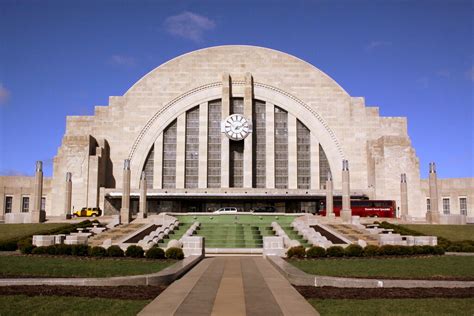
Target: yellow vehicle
88,212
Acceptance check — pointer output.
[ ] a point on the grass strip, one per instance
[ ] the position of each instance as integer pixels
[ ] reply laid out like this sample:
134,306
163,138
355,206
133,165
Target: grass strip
380,307
439,267
60,305
43,266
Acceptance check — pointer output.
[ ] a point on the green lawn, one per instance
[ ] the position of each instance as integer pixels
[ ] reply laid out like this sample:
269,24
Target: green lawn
59,305
77,267
257,218
418,307
10,231
451,232
442,266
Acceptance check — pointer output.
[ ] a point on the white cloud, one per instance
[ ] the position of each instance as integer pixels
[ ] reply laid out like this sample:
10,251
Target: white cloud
122,60
4,94
189,25
377,44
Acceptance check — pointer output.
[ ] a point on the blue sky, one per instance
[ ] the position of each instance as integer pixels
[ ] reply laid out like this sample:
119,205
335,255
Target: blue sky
410,58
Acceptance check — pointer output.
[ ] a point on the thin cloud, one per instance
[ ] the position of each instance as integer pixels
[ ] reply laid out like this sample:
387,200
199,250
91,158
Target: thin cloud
4,94
377,44
189,25
470,74
423,82
122,60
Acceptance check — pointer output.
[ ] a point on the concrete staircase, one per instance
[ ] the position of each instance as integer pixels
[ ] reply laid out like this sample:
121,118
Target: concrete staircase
115,234
354,234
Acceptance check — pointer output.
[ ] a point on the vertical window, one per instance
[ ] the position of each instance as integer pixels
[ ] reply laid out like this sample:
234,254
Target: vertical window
303,156
169,156
259,141
8,204
214,113
445,205
148,168
281,148
192,148
43,203
463,205
236,148
428,204
323,168
25,204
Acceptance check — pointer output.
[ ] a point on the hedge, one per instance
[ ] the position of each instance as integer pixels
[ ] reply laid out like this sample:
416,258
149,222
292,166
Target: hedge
316,252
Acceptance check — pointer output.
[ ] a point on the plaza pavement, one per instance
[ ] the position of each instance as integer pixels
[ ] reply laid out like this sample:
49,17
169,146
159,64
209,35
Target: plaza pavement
231,286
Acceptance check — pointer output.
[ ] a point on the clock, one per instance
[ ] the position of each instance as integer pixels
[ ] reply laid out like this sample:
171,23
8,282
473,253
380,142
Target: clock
236,127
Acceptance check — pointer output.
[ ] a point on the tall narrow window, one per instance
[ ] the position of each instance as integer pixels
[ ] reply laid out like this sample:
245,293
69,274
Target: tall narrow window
446,209
303,156
169,156
463,205
25,204
281,148
8,204
214,144
259,141
236,148
192,148
43,203
149,164
428,204
323,168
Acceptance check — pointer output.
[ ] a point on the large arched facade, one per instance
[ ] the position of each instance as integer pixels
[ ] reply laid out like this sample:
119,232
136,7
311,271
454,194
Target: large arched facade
302,125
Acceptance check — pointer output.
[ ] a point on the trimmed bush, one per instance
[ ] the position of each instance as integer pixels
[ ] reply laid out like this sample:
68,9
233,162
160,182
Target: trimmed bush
316,252
155,253
467,248
296,252
174,253
370,251
80,250
134,251
51,250
98,251
387,250
453,248
335,251
438,250
8,245
39,251
115,251
25,246
63,250
353,251
404,250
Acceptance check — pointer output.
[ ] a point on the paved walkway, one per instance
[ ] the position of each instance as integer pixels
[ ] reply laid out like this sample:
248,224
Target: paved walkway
231,286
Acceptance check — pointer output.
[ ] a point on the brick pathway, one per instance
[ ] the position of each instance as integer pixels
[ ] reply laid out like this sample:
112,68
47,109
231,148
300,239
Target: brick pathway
231,286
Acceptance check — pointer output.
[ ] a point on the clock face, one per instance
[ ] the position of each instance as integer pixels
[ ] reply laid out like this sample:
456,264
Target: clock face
236,127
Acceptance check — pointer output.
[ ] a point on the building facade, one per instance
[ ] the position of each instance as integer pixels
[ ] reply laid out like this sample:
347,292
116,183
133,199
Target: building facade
234,126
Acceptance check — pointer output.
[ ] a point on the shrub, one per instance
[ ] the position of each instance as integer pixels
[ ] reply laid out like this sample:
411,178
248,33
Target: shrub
353,251
453,248
134,251
404,250
80,250
64,250
371,251
25,245
467,248
388,250
8,245
51,250
39,251
155,253
98,251
115,251
296,252
174,253
335,251
438,250
316,252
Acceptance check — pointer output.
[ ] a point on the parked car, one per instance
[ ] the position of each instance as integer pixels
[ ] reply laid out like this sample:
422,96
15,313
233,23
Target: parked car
226,210
88,212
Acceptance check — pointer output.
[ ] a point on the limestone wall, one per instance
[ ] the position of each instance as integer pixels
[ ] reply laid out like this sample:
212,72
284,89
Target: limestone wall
453,188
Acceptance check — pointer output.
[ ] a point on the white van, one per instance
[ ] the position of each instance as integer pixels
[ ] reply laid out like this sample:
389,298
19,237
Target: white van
226,210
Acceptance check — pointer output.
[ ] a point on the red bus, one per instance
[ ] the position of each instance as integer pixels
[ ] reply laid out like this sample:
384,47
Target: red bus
364,208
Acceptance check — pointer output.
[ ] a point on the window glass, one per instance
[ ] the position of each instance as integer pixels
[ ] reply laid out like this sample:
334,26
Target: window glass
25,204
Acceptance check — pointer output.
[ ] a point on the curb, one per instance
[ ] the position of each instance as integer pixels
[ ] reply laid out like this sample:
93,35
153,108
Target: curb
164,277
297,277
